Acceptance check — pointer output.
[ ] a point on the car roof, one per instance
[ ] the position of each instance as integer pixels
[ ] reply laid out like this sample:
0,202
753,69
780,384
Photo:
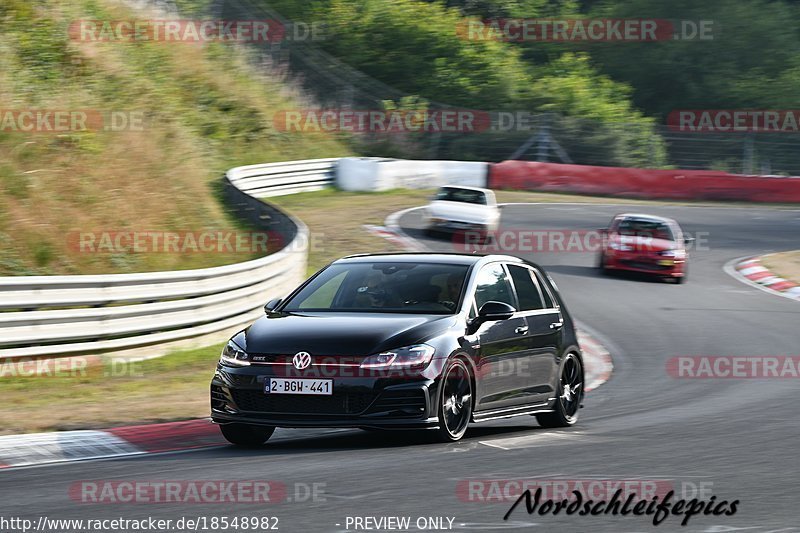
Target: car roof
429,257
649,218
467,187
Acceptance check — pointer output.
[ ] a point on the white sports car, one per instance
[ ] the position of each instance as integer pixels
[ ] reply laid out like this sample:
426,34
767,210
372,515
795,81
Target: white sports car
458,208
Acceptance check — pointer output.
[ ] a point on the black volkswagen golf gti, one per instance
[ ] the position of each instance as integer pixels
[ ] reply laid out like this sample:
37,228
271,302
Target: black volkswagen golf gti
395,341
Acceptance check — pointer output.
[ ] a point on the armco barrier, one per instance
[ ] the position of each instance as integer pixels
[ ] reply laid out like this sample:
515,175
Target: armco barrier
277,179
643,183
53,316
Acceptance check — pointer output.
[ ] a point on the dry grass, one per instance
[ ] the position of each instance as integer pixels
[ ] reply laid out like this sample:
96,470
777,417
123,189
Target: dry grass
205,110
174,387
784,264
336,220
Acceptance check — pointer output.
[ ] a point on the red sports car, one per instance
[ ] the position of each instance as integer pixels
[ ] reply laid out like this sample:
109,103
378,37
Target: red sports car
645,243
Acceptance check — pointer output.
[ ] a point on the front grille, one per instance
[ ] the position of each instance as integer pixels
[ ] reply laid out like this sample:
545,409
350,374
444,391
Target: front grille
339,403
646,266
405,402
316,359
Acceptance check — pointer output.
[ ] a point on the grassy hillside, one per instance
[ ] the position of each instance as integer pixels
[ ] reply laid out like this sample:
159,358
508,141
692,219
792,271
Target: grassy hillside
205,110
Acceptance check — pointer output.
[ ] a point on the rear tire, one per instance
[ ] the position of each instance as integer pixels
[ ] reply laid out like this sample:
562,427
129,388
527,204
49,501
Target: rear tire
569,396
246,435
455,401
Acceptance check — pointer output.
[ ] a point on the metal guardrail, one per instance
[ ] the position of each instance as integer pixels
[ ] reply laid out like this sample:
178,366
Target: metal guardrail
277,179
53,316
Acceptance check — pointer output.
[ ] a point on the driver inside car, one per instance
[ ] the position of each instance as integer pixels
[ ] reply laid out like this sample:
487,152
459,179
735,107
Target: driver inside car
374,293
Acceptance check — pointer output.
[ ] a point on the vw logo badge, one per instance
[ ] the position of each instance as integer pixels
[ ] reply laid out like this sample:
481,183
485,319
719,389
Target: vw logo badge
301,360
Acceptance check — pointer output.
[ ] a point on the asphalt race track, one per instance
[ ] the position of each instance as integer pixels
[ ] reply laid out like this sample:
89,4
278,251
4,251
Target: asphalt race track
737,439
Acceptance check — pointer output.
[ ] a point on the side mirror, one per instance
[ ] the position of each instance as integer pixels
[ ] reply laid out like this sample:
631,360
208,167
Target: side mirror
272,304
688,239
493,310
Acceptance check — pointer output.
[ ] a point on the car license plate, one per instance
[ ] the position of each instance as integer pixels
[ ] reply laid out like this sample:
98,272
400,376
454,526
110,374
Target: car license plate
666,262
321,387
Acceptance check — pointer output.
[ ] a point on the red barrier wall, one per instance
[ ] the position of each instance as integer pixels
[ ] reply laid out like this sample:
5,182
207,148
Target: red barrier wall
642,183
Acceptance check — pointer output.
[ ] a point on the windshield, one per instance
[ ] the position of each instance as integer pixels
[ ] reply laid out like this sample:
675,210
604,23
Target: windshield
467,196
384,287
645,228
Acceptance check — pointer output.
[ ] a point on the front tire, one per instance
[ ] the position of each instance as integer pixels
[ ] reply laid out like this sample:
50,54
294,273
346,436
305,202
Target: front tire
601,265
569,397
682,279
246,435
455,401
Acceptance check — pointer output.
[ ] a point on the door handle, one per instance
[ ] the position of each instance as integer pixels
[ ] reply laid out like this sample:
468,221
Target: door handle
556,325
522,330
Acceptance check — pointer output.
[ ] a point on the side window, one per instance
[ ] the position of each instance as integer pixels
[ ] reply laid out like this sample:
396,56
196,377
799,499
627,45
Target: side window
548,301
527,292
492,284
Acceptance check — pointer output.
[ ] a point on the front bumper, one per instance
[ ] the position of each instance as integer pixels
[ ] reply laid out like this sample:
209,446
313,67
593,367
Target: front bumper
649,264
455,226
237,395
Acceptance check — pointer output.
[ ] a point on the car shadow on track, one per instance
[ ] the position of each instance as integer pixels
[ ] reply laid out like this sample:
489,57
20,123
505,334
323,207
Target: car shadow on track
594,272
377,440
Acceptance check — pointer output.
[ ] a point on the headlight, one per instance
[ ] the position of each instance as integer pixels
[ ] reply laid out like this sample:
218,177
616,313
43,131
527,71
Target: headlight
418,354
234,356
678,254
620,246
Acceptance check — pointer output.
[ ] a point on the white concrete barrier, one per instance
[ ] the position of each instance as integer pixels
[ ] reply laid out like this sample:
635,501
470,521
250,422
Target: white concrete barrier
375,174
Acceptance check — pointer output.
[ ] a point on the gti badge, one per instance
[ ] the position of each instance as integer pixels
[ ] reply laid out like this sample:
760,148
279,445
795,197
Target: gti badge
301,360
